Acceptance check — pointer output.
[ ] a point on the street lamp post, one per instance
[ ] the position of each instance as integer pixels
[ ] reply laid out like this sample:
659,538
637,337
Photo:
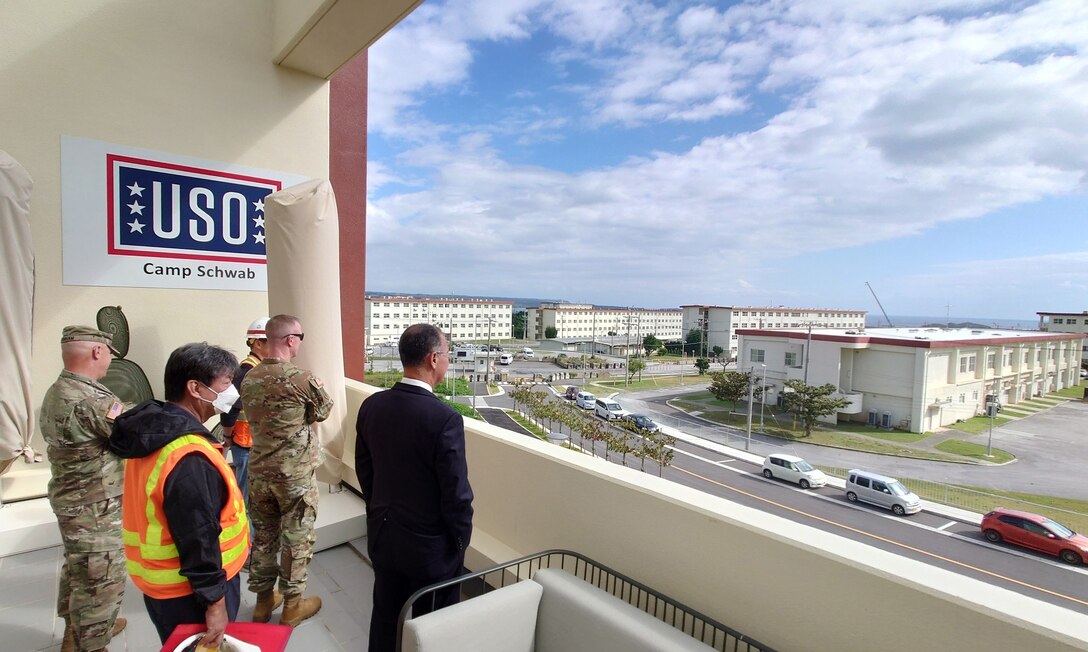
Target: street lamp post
751,387
762,396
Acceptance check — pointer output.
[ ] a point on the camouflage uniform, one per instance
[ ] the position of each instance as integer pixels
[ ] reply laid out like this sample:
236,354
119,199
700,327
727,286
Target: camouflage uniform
85,493
281,401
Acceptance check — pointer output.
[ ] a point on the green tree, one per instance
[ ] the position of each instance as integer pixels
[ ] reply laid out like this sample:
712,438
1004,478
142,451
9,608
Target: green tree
810,402
650,343
702,364
717,351
729,386
550,332
635,366
517,324
693,341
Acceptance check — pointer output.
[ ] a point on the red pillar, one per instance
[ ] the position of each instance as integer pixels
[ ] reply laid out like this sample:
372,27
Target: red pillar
347,172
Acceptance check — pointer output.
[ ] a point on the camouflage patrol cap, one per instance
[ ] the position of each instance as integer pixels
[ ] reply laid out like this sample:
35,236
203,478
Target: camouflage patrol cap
87,334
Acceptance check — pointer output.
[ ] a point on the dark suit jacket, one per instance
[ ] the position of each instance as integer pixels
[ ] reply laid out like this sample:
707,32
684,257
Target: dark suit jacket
410,458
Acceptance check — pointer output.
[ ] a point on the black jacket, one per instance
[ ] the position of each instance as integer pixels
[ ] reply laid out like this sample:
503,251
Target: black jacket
194,494
410,458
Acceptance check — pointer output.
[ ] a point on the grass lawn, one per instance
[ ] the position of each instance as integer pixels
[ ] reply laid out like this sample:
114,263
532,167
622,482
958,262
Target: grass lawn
1016,413
977,451
653,382
1076,391
537,431
975,425
1038,504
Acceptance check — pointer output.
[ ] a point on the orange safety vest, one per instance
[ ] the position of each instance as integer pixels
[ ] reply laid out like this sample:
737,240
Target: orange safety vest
152,557
241,434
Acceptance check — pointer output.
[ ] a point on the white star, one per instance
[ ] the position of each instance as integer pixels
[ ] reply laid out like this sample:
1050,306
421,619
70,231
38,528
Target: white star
258,238
259,205
135,208
135,189
259,221
135,226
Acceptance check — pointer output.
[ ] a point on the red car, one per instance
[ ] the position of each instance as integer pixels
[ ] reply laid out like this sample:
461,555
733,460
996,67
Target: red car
1035,532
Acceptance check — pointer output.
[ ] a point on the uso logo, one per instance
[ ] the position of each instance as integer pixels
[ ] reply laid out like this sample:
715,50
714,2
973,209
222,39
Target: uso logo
164,210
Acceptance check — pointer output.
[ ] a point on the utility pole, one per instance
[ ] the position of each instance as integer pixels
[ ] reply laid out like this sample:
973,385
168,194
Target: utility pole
627,351
762,396
751,385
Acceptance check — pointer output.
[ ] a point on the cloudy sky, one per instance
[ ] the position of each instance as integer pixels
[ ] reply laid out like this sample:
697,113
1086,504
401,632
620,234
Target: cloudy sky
657,153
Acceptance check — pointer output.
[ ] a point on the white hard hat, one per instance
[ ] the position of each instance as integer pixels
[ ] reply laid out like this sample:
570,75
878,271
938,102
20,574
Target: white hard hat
256,329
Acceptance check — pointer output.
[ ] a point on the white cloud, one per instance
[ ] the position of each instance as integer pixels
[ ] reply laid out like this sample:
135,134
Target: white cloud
893,123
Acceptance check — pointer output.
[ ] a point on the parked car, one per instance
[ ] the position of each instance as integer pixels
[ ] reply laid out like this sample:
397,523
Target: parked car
1035,532
1083,373
642,421
506,358
571,393
882,491
585,400
528,353
608,409
793,469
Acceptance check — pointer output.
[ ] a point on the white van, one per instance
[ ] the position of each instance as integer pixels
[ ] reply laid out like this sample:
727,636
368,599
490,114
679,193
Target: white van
608,409
528,353
585,400
882,491
793,469
506,358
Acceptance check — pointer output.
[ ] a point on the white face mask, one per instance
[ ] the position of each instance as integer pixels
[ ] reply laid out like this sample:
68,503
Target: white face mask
224,400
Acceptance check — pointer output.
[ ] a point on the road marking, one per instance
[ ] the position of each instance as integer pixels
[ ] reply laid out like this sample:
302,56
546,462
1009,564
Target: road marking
891,542
898,519
724,462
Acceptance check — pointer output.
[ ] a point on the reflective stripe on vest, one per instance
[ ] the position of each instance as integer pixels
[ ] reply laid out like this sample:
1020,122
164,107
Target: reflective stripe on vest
152,557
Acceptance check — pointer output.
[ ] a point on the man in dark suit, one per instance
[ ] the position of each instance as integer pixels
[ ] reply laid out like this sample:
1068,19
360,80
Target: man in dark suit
410,457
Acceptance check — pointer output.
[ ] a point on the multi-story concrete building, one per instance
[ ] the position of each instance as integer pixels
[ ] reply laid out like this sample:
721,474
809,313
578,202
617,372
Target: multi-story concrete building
460,319
1066,322
914,379
573,320
719,324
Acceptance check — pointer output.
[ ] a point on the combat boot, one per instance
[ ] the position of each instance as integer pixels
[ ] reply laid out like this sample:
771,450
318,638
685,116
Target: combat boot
267,601
297,609
118,626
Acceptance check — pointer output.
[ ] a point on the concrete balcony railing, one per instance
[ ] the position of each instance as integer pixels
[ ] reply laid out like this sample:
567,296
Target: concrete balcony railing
854,405
792,586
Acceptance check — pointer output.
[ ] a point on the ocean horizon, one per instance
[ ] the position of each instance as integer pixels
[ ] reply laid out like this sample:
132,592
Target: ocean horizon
913,321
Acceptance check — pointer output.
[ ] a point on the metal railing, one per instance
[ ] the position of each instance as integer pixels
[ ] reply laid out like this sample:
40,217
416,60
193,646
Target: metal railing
977,501
669,611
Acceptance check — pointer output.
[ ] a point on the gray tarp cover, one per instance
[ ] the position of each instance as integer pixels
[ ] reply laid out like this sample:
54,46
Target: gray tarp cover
17,296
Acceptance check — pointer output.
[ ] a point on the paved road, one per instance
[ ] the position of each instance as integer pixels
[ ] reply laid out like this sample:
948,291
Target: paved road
932,537
1051,449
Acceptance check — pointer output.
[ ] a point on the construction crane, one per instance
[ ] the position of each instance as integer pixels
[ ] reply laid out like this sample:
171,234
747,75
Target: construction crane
879,304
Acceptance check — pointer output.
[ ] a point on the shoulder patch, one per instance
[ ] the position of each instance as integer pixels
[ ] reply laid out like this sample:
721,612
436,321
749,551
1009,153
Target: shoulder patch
115,410
316,382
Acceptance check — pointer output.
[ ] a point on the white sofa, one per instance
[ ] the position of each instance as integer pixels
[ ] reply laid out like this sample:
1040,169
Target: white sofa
552,612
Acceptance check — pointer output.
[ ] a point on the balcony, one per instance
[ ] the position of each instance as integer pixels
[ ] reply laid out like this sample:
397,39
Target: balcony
789,585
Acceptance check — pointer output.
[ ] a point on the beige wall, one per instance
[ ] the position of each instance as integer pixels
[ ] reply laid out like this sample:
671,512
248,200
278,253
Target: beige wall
189,78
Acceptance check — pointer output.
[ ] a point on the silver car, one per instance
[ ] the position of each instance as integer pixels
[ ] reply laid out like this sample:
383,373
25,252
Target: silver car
882,491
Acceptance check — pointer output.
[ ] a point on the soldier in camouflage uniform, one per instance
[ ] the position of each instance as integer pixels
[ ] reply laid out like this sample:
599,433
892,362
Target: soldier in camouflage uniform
85,490
282,401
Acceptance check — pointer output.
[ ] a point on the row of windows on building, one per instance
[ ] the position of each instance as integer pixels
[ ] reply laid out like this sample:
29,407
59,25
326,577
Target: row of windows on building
789,325
771,313
1067,320
967,362
396,315
413,304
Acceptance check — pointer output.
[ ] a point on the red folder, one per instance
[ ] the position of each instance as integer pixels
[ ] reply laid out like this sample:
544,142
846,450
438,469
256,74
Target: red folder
268,637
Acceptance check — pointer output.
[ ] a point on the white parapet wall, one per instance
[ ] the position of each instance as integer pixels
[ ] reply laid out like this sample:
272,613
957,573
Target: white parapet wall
791,586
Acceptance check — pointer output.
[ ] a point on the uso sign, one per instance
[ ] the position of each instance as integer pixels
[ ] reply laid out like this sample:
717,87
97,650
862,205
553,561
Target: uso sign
137,218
